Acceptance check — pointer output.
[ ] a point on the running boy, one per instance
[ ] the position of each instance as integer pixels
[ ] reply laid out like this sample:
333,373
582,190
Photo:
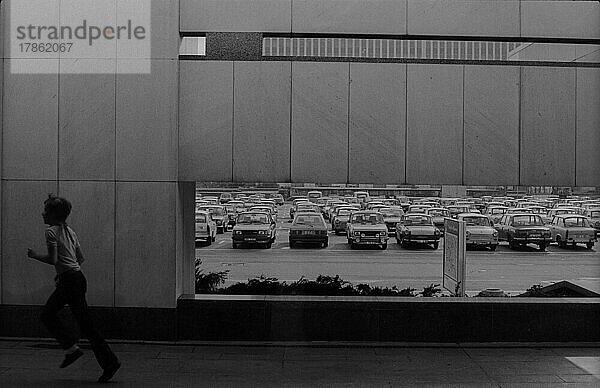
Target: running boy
64,253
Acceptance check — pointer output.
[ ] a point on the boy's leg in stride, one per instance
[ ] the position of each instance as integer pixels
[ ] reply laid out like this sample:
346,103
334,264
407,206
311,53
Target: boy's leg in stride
77,287
50,318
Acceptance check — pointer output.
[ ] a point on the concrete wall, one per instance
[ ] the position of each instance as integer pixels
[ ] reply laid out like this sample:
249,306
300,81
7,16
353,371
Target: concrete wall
388,123
109,143
533,18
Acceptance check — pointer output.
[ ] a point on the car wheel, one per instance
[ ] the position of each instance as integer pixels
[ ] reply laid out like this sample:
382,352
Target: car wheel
383,247
512,244
268,245
543,247
292,244
493,247
561,244
235,246
352,246
325,244
436,245
589,245
214,238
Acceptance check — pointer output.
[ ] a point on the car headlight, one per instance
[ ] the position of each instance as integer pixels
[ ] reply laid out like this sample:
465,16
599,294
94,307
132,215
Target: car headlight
362,235
262,232
436,232
376,234
237,232
495,234
357,233
468,234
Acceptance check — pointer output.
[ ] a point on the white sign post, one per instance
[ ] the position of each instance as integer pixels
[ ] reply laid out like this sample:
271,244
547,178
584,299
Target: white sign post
454,256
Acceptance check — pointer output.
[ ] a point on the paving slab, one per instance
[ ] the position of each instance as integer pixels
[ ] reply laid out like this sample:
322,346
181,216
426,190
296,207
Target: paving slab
35,364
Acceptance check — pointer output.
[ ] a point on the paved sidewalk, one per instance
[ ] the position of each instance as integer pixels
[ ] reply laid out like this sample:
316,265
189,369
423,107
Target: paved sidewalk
35,364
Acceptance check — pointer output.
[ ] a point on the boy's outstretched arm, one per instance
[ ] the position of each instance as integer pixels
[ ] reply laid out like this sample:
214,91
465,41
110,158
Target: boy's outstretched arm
51,258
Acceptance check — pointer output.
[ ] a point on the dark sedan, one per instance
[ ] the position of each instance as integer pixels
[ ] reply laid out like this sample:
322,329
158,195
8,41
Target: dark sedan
308,227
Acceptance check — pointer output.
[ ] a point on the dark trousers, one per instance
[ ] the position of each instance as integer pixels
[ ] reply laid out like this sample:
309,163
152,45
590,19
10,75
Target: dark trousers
71,289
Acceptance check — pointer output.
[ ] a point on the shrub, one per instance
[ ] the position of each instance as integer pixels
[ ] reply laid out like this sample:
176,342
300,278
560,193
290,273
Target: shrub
323,285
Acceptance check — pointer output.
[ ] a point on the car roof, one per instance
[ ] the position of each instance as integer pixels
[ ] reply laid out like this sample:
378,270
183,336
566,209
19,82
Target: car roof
472,215
569,216
308,214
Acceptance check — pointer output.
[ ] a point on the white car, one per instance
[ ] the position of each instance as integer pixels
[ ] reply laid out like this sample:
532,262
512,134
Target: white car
206,228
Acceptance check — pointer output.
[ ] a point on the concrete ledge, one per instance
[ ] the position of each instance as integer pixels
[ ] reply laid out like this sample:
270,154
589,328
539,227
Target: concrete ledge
309,319
387,319
133,323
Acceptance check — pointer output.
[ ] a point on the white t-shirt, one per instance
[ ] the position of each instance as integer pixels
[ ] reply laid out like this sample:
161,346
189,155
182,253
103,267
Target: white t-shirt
66,242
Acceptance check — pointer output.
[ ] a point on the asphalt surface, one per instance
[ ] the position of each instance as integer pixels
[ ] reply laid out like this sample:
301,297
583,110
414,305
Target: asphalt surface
417,267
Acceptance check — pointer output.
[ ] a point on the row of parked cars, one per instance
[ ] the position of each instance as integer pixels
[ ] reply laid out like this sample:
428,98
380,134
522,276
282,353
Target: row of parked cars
216,215
372,221
489,220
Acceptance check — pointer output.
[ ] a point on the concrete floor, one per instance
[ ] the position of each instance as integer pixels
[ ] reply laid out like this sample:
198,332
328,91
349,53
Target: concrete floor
35,363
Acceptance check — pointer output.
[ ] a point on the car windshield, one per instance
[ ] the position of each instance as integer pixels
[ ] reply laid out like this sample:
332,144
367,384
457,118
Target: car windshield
200,218
391,212
367,218
527,221
573,222
417,220
253,218
439,213
344,212
498,211
476,221
564,211
314,221
215,211
595,214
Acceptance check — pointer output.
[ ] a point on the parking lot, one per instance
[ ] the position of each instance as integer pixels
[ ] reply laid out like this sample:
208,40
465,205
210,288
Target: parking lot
511,270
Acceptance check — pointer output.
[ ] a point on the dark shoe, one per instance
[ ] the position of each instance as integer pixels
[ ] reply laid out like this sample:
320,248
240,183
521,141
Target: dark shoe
109,373
71,358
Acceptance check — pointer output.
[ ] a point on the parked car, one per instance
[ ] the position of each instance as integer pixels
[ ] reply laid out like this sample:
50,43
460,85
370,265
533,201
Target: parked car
308,228
295,203
225,197
495,212
593,214
367,228
278,199
559,211
417,228
480,231
572,229
264,208
219,215
231,214
419,209
254,228
206,229
340,218
391,216
314,195
439,214
455,210
522,228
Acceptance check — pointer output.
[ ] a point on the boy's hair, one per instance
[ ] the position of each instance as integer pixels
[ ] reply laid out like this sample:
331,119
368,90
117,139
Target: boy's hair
60,207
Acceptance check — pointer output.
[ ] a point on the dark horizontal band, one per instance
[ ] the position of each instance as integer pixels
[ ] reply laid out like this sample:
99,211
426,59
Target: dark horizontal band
516,39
